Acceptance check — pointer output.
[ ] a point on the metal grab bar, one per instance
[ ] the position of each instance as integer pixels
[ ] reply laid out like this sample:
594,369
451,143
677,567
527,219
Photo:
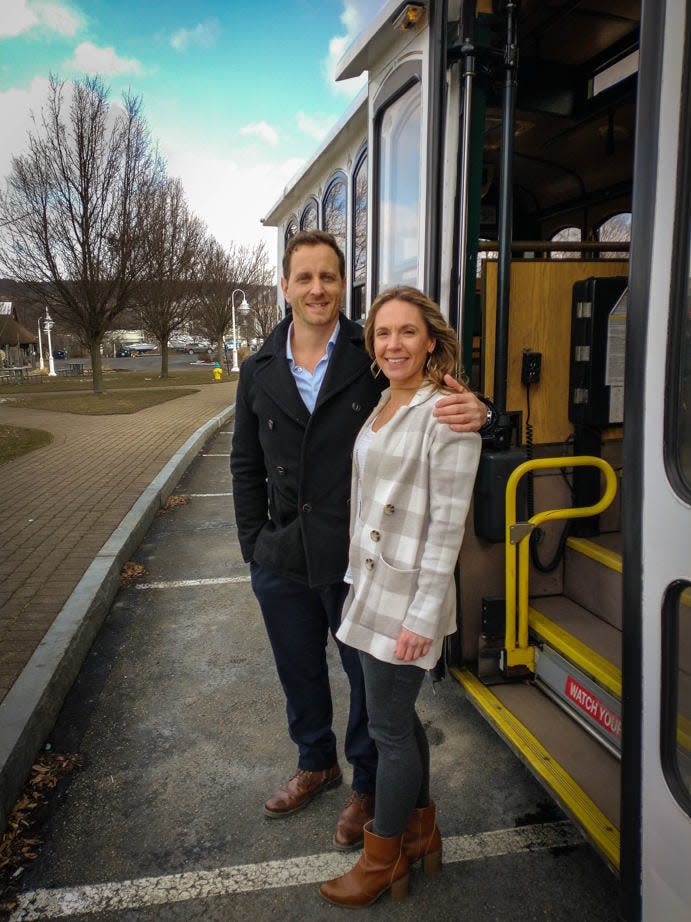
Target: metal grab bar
517,652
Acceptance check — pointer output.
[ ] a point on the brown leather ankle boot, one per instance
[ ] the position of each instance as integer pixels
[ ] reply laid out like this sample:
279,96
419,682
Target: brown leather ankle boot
422,839
382,866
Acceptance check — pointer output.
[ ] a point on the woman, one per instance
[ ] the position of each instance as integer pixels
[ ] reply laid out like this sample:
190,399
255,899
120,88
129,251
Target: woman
410,492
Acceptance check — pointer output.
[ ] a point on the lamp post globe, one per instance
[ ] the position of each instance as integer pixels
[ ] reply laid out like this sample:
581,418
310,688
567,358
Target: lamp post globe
48,326
244,309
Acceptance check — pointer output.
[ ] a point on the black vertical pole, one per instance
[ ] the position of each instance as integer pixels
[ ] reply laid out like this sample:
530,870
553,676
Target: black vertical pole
505,218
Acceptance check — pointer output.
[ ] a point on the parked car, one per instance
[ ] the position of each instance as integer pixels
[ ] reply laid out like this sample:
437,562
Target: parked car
123,353
59,353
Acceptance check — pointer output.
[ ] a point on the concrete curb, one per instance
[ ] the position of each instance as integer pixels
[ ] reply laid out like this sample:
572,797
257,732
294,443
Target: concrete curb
31,707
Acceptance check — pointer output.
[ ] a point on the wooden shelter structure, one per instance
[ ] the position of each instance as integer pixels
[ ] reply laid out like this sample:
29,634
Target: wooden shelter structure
16,342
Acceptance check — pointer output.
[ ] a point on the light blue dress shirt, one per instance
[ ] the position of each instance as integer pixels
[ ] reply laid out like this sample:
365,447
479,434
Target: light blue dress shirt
309,383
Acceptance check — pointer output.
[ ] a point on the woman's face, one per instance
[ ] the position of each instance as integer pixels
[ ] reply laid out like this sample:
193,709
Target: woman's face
401,343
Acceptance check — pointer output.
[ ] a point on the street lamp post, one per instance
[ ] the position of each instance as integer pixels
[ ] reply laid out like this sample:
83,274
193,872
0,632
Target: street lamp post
41,366
48,326
244,308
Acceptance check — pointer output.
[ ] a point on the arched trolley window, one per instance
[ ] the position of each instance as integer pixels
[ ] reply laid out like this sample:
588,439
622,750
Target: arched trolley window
309,219
397,161
291,228
334,208
616,229
568,235
359,232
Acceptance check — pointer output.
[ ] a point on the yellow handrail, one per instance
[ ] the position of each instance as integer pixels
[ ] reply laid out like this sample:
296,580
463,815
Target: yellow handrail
517,650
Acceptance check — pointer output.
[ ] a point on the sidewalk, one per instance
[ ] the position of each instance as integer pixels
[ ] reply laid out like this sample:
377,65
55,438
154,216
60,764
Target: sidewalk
72,512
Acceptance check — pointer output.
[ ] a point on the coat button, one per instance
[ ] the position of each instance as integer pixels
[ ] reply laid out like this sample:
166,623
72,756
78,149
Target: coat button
270,423
307,507
369,563
374,535
357,407
281,471
389,509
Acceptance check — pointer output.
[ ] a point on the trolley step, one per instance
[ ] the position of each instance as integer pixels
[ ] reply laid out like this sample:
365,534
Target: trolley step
582,775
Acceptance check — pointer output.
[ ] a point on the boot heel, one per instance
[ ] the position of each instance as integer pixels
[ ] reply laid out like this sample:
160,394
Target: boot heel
399,889
431,864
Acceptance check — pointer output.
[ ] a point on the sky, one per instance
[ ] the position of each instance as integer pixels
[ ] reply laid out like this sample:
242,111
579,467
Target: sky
238,94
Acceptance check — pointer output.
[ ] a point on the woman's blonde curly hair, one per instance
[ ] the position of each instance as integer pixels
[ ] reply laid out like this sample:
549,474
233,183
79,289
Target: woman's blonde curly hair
444,358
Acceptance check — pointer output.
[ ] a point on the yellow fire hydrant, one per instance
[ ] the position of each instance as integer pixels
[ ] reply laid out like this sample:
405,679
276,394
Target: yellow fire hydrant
218,372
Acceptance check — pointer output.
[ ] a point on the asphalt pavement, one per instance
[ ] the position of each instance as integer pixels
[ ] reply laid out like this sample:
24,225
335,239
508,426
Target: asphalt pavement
72,513
180,719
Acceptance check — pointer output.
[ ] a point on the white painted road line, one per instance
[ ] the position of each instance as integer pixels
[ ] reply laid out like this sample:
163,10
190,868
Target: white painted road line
220,455
202,495
186,583
293,872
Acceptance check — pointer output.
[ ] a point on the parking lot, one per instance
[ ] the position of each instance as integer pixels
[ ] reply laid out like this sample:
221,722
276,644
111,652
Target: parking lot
180,718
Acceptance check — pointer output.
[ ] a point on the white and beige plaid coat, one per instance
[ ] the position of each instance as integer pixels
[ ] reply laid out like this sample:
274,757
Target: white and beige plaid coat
406,529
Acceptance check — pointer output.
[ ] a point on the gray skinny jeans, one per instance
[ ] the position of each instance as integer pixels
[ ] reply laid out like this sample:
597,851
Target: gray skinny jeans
403,765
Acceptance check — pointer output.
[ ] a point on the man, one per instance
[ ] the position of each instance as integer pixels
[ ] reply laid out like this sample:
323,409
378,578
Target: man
300,402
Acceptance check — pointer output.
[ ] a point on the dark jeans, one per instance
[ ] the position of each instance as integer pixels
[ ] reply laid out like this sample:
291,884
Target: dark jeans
403,767
298,620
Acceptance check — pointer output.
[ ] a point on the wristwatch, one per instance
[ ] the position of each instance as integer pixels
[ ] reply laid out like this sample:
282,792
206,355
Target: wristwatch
491,419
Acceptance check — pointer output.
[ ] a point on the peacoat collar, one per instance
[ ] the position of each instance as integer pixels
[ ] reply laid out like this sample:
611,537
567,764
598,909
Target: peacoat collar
273,374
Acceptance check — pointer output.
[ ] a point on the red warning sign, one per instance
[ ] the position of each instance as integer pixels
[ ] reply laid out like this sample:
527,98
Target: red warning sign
591,705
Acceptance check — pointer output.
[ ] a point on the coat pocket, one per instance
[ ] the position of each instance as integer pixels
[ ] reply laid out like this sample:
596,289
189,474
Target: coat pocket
383,597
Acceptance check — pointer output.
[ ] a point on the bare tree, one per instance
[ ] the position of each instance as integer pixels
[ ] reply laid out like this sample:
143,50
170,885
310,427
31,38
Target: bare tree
265,310
172,249
241,267
73,210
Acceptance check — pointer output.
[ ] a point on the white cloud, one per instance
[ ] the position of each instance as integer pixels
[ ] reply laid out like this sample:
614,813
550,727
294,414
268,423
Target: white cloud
90,59
20,16
58,18
232,196
261,130
355,16
203,35
16,106
316,127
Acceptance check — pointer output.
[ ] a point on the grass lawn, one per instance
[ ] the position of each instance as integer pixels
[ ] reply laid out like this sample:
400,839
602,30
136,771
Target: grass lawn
16,441
107,404
117,380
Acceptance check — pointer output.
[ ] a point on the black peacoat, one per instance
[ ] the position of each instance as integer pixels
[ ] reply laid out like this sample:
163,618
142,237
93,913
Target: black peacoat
291,469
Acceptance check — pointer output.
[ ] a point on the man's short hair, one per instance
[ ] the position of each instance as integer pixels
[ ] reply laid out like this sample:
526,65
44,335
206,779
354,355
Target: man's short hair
311,238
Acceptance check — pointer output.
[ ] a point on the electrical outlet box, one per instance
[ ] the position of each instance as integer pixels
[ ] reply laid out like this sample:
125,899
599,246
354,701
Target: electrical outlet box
530,369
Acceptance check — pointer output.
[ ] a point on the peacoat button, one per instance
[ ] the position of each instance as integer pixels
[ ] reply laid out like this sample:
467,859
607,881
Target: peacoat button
389,509
357,407
270,423
374,535
281,471
369,563
307,507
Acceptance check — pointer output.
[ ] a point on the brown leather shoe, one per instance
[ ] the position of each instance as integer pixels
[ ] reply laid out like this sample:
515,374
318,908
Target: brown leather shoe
358,810
299,790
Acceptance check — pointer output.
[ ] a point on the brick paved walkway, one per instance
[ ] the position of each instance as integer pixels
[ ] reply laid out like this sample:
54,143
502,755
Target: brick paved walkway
59,504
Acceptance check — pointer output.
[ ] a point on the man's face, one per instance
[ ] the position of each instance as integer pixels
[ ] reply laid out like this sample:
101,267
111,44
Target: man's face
315,287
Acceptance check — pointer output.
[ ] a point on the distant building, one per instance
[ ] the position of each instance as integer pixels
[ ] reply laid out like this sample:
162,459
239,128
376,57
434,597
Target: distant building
17,343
